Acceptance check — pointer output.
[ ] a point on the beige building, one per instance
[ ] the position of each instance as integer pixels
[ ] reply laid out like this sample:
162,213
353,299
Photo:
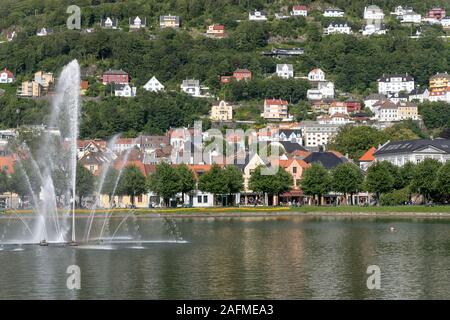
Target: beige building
221,111
275,109
29,89
140,201
407,110
45,79
253,163
169,21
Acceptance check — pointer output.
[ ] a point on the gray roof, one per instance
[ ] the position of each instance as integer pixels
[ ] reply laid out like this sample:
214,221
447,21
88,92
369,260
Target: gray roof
191,83
387,77
290,147
115,72
375,96
327,159
407,146
169,17
281,66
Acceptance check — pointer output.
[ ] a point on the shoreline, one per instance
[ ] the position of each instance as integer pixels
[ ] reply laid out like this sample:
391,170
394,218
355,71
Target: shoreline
248,212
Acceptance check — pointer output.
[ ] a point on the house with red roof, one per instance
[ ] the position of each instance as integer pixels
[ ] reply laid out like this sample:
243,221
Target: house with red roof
6,76
367,159
216,30
299,10
238,75
115,76
275,109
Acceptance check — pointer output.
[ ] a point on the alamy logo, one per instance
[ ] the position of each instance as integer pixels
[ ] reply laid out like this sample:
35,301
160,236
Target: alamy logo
374,280
74,20
74,280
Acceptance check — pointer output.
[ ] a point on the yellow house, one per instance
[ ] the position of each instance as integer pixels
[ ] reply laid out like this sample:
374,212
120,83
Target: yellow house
221,111
169,21
29,89
407,110
140,201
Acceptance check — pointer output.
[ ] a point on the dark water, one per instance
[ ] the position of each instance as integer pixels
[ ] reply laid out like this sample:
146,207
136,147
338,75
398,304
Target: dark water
245,258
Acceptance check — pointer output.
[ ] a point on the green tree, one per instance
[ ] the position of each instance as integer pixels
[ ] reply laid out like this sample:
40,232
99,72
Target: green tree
186,179
84,183
233,180
347,178
164,182
443,179
270,184
379,179
4,182
132,182
424,178
316,181
212,181
24,180
110,183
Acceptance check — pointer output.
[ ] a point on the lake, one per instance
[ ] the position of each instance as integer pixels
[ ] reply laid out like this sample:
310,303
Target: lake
241,258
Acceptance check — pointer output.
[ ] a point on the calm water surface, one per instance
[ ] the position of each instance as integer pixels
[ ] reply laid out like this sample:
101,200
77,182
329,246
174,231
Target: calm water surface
244,258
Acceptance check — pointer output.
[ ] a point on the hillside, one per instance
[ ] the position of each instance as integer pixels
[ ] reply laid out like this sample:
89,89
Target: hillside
353,62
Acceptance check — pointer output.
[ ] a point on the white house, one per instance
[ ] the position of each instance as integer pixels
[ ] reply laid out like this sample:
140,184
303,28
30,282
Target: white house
326,88
445,22
395,83
153,85
371,99
191,87
257,16
299,11
400,10
337,107
314,94
124,90
109,23
371,29
336,119
137,23
317,134
316,75
333,13
6,76
337,28
387,112
44,32
373,13
285,71
411,17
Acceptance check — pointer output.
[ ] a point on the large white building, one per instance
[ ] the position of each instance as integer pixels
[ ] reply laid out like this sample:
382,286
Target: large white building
124,90
275,109
257,16
333,13
316,134
316,75
411,17
373,13
401,152
191,87
299,11
395,83
333,28
285,71
153,85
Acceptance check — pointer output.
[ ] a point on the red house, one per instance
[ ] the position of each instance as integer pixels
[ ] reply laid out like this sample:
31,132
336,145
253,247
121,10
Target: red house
353,106
242,74
115,76
436,13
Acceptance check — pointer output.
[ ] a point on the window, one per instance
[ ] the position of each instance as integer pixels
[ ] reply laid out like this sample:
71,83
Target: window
199,199
294,169
139,199
205,199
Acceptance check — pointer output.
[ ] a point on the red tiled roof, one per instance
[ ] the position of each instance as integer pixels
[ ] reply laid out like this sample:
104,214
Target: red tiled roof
276,102
299,7
218,27
7,163
9,73
368,156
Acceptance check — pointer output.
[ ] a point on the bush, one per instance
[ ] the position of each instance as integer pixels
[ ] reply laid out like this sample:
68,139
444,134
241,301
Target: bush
395,198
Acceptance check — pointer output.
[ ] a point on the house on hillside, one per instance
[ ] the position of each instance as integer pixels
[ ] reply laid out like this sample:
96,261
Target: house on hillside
333,13
221,111
169,21
337,28
299,10
137,23
115,76
395,83
275,109
6,76
44,32
153,85
285,71
109,23
257,16
216,30
373,13
124,90
316,75
436,13
191,87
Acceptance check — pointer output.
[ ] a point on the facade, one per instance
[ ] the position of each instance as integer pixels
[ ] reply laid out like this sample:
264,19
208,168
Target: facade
333,13
299,11
124,90
373,13
395,83
285,71
402,10
169,21
153,85
137,23
439,87
337,107
6,76
415,151
342,28
242,74
216,30
115,76
436,13
388,112
191,87
326,89
109,23
411,17
30,89
221,111
275,109
445,22
316,75
316,134
372,29
295,167
407,111
45,79
257,16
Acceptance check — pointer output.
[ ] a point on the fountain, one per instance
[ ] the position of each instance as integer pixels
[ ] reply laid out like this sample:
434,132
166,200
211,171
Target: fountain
49,175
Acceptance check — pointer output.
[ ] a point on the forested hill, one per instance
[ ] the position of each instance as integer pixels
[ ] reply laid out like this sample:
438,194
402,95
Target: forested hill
353,62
